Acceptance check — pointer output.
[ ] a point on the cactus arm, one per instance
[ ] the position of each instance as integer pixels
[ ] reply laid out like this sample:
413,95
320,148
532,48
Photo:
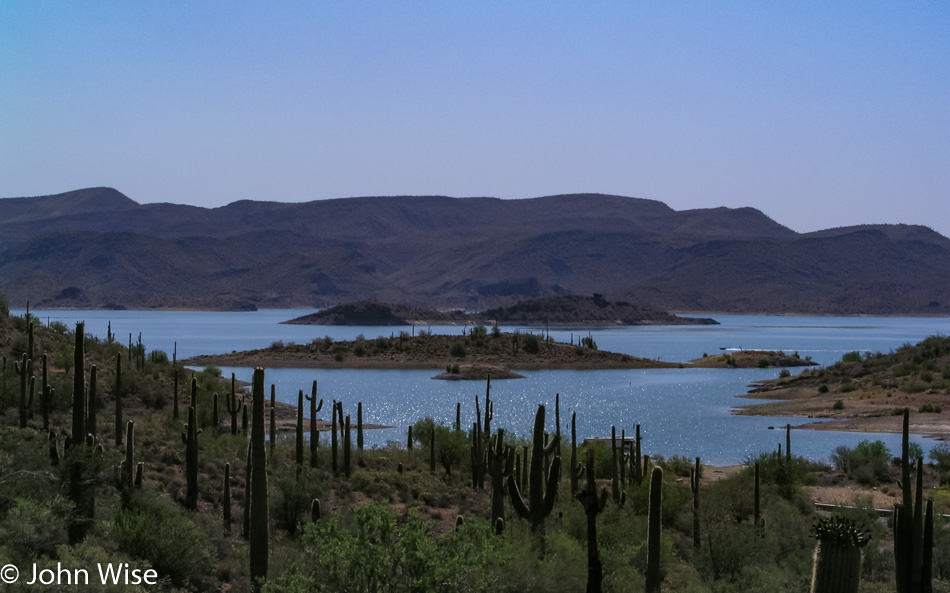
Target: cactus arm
516,501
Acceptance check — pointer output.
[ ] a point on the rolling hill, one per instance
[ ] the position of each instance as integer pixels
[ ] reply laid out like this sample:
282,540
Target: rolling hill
99,248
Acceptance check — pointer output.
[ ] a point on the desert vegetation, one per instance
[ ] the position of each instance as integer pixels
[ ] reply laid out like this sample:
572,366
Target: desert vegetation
116,454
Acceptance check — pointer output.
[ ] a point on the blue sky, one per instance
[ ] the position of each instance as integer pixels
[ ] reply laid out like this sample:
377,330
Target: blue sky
820,114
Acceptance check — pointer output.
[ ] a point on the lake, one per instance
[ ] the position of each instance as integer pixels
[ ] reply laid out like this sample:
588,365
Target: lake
681,411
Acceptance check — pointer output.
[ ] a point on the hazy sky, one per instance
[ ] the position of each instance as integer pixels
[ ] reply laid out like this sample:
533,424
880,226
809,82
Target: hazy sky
819,113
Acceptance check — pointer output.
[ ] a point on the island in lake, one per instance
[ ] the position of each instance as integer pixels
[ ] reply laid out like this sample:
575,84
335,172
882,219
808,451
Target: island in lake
475,348
867,392
562,310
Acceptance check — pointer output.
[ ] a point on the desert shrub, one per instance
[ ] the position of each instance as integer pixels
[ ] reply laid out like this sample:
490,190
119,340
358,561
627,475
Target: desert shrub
838,405
530,343
211,369
763,363
153,529
603,459
929,409
786,474
853,356
454,369
784,373
678,465
940,455
478,333
158,357
295,488
823,388
589,343
867,463
457,349
359,350
451,447
35,527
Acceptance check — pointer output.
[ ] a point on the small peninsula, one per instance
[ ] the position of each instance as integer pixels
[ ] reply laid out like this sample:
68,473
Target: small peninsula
477,347
562,310
750,359
867,392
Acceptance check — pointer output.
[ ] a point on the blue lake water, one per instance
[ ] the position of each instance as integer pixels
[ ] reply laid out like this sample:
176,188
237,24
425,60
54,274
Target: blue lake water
681,411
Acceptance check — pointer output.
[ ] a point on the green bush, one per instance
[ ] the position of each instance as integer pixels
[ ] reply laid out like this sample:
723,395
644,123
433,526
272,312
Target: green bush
823,388
457,349
838,405
867,463
784,374
158,357
589,343
853,356
153,529
530,343
930,409
211,369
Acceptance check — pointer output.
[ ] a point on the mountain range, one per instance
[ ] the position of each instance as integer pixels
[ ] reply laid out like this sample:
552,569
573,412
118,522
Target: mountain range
98,248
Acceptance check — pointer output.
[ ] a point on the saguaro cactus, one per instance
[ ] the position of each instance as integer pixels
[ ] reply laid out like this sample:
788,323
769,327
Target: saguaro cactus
593,504
175,373
273,420
694,487
347,444
500,461
574,468
127,465
226,500
837,560
234,407
359,425
258,532
24,368
298,433
913,529
315,407
190,437
540,499
118,399
79,491
93,403
334,437
653,529
614,469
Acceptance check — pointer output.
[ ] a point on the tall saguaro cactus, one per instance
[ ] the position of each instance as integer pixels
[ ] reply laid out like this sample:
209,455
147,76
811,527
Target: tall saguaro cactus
79,491
574,468
118,399
175,373
46,395
298,432
540,499
258,529
190,437
653,530
913,529
694,475
93,403
234,407
500,461
24,368
315,407
593,504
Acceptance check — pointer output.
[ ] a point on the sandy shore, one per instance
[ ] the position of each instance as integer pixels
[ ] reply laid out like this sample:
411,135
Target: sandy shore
862,411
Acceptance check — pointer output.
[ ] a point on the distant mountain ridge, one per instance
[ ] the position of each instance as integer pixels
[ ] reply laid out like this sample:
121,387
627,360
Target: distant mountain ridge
98,248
